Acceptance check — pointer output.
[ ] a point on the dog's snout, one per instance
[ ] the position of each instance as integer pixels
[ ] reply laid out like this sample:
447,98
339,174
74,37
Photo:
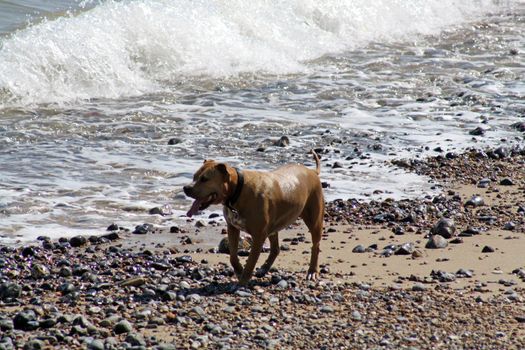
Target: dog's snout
188,190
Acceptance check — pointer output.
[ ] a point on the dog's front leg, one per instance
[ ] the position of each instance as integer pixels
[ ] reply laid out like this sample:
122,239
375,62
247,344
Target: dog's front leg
258,241
233,245
274,251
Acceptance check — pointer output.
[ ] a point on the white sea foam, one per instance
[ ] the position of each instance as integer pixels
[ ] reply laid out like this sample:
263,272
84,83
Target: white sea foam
129,48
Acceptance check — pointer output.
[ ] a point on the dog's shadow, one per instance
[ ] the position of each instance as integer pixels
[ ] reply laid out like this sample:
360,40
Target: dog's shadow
219,288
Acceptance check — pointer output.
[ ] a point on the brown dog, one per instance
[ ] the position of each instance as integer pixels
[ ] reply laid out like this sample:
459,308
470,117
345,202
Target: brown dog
261,203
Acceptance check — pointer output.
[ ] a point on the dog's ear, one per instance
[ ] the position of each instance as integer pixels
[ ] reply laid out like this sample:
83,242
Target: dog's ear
222,168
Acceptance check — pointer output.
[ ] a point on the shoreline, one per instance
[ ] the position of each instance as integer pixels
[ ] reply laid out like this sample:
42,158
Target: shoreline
160,288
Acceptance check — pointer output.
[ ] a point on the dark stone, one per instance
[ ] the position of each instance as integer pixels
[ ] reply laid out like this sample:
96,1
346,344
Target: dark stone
483,183
23,318
143,229
77,241
122,327
112,227
337,165
34,344
509,226
457,240
444,227
487,249
475,201
174,229
405,249
520,319
443,276
479,131
520,126
506,182
10,290
184,259
28,251
174,141
282,142
111,236
325,184
469,232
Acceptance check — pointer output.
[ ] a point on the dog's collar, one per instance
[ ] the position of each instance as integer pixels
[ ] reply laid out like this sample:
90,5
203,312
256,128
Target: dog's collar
240,183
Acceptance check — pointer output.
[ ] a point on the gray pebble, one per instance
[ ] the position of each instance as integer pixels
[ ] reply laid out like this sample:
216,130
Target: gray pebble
436,242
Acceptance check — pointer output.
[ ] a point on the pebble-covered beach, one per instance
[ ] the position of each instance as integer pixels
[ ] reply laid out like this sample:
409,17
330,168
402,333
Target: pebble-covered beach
114,291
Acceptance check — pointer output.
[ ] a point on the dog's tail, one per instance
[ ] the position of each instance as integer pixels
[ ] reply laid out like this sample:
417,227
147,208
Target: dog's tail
317,162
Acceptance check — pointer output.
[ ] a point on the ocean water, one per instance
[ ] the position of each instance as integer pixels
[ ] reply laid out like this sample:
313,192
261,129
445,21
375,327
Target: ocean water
91,93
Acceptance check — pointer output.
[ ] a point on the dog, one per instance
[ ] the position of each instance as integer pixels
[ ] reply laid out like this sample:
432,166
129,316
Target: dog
261,203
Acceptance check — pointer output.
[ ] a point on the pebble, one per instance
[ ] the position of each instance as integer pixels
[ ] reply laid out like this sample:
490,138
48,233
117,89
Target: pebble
165,210
479,131
506,182
10,290
484,183
77,241
359,249
122,327
419,287
444,227
405,249
487,249
436,242
475,201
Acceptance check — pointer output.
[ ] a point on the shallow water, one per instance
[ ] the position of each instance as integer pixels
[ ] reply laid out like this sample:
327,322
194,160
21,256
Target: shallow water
90,96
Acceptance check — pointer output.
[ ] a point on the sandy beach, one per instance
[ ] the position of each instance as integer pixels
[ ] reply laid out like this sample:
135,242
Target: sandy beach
381,285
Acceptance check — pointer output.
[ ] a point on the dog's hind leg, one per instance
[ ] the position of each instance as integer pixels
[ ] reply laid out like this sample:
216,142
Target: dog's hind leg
313,215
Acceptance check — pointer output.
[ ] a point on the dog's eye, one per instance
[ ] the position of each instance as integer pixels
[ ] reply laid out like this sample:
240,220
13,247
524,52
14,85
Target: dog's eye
203,179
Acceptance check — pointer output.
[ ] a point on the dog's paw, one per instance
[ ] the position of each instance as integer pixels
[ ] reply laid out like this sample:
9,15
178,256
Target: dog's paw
311,276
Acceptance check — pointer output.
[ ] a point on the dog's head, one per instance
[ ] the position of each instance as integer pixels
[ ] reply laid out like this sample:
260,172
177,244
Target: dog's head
209,186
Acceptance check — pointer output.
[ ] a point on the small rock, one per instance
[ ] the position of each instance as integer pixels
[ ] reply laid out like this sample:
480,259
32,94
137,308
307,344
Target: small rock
112,227
201,223
224,247
122,327
479,131
405,249
143,229
506,182
487,249
337,165
484,183
282,142
134,281
359,249
165,210
444,227
78,241
327,309
39,271
95,344
520,319
419,287
174,141
509,226
475,201
436,242
10,290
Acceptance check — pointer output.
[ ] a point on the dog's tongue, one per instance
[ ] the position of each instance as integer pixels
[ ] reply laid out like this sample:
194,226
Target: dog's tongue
194,208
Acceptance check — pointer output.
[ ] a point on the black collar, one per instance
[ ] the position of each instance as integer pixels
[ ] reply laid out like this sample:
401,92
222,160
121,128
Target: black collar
240,183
